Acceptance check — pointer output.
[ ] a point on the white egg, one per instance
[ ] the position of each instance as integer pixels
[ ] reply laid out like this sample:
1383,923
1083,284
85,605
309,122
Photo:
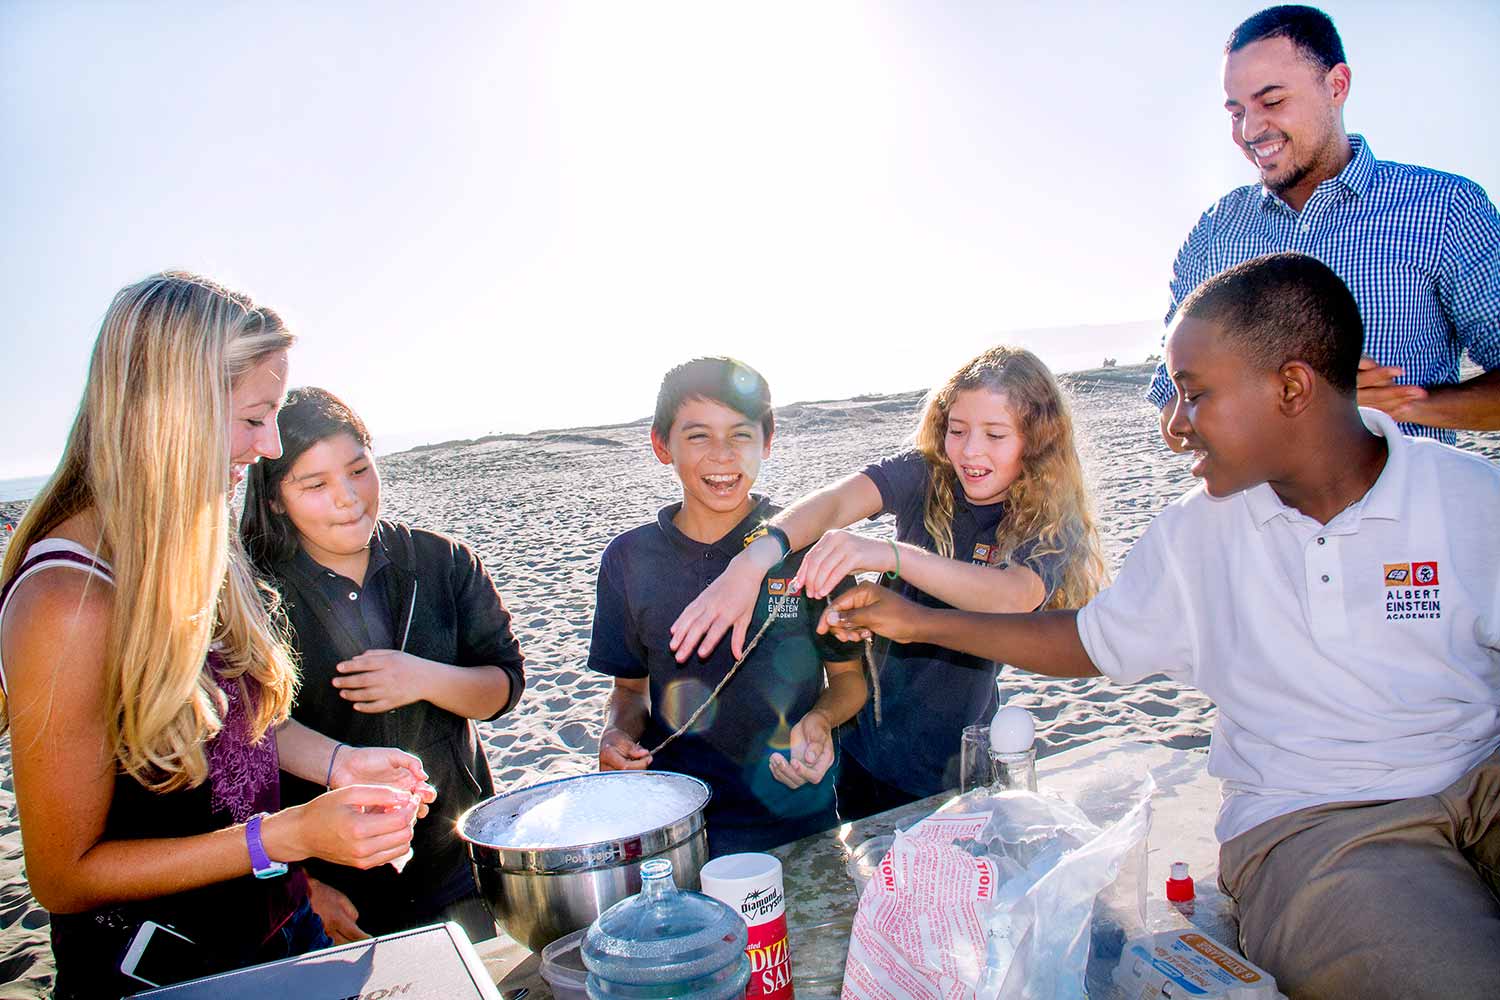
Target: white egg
1012,731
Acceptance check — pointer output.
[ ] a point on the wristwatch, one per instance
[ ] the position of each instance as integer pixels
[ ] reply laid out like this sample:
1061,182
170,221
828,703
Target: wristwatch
260,864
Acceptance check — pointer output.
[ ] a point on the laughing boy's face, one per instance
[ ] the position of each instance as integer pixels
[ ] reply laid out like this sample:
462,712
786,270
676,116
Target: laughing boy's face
716,452
1226,408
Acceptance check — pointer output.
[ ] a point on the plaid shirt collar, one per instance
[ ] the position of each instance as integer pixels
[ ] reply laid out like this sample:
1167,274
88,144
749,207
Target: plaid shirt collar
1353,181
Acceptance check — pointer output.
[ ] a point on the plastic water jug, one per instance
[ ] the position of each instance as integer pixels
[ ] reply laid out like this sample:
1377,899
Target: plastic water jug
666,943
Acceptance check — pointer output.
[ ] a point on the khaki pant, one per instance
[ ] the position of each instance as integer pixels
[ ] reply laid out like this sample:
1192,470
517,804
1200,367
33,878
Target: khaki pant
1370,900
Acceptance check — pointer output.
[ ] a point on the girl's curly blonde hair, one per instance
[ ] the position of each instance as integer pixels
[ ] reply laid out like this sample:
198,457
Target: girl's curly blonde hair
1048,503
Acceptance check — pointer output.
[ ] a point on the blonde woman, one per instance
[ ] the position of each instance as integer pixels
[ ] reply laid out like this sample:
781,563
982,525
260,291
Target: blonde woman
991,515
144,688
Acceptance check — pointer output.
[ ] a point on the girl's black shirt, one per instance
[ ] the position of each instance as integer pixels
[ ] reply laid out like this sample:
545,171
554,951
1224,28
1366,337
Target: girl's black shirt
443,606
929,693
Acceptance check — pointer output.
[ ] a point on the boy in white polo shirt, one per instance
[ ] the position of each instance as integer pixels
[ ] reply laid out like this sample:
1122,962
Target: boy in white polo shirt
1334,586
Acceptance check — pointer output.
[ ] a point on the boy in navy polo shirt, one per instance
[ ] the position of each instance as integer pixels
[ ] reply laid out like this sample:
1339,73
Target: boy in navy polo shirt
765,744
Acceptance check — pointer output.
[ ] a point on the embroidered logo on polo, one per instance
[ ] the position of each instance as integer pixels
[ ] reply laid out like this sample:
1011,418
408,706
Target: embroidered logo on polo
781,599
1412,591
986,554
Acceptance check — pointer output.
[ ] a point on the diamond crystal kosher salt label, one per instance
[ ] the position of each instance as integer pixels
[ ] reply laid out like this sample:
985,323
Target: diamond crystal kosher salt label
751,884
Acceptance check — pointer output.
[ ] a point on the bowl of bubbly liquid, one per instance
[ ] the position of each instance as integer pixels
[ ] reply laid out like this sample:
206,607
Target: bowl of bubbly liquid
551,857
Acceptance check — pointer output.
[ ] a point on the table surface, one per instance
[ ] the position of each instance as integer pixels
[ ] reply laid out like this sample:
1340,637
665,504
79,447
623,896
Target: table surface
821,896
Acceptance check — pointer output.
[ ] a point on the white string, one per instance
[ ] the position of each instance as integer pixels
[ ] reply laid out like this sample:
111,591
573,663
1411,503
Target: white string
869,656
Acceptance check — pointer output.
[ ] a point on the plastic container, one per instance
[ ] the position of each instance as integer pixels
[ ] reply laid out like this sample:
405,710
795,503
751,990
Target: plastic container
1189,964
866,858
563,968
666,943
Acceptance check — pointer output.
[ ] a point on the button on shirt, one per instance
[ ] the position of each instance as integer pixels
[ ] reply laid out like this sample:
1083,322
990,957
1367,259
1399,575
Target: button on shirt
362,610
1418,248
1353,661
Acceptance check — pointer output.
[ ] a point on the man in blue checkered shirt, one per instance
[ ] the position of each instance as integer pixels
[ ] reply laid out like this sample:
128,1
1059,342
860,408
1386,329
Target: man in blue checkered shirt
1419,249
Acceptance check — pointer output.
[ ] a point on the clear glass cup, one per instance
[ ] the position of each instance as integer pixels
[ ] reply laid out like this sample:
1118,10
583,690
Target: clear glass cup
1014,770
975,769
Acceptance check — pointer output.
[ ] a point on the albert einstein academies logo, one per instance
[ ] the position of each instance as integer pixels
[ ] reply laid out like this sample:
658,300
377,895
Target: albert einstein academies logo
783,600
1412,591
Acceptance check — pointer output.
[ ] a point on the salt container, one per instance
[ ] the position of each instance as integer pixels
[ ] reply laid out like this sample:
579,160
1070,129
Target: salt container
666,943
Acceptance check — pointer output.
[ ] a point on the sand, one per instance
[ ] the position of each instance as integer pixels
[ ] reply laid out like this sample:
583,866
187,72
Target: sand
540,508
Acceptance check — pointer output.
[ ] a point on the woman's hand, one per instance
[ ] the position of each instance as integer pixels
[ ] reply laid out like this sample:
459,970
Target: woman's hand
382,679
810,755
725,604
362,826
841,553
868,608
618,752
382,766
336,911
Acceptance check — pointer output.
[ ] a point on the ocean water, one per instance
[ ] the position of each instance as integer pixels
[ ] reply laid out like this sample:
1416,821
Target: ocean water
21,489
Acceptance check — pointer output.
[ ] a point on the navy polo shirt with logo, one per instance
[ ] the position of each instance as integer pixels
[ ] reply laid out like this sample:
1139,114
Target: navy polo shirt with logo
928,693
646,578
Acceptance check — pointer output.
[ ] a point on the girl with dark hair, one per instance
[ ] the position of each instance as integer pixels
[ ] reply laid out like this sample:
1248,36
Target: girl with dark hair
404,641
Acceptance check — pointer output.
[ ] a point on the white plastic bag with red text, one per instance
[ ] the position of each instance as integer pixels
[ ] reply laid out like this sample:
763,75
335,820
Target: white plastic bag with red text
993,898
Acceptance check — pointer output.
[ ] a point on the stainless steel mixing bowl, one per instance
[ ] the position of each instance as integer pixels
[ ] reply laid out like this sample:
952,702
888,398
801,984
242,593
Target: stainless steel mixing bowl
541,893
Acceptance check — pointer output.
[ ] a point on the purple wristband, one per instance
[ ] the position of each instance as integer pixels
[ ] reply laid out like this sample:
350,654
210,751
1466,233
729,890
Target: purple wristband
260,863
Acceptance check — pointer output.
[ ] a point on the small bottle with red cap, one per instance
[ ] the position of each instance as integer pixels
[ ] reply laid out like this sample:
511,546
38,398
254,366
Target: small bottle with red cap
1180,892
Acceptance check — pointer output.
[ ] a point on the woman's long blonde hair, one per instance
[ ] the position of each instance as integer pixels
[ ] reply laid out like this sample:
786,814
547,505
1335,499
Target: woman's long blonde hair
1048,503
149,454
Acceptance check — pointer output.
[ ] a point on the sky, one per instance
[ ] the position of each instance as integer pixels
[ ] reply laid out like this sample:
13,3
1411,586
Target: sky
511,216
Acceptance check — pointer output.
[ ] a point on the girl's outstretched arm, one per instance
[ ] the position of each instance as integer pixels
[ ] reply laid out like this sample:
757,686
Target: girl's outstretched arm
963,585
728,602
1045,642
314,757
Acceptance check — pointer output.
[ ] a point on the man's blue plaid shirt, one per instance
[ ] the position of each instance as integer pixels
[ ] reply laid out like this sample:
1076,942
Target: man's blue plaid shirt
1420,250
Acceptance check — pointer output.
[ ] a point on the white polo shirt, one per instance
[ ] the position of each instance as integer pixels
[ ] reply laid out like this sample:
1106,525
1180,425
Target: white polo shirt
1352,661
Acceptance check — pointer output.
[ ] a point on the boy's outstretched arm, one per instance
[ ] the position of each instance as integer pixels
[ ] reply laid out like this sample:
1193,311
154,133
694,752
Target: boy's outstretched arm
811,752
727,604
1044,642
624,723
